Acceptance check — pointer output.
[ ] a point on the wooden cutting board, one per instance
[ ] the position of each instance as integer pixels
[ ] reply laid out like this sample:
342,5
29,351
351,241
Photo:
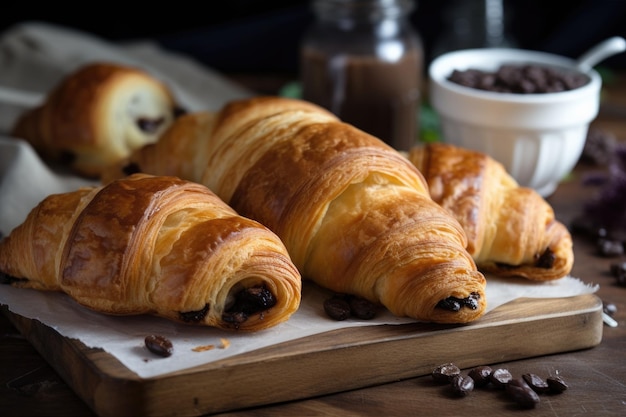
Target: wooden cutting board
330,362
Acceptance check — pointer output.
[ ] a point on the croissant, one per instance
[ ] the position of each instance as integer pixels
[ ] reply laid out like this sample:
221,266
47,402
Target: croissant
155,245
97,115
354,214
511,230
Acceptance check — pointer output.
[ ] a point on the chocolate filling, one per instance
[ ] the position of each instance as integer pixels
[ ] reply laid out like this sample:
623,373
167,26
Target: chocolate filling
247,302
546,259
7,279
131,168
455,304
150,125
194,316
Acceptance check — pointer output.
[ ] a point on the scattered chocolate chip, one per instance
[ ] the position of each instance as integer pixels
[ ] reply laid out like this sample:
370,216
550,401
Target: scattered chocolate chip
445,372
342,306
618,271
500,377
480,375
521,393
159,345
536,383
337,308
362,308
556,384
462,385
610,248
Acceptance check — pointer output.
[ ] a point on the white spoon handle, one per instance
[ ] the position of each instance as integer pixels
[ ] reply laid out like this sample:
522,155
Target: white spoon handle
601,51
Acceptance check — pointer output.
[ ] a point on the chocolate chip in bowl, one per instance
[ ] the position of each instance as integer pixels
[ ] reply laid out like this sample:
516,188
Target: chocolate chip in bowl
529,110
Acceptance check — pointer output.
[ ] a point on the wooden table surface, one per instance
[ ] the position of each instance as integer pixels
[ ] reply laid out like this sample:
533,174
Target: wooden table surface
596,376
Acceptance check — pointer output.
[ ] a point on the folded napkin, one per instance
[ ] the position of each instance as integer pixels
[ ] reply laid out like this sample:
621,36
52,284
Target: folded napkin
34,56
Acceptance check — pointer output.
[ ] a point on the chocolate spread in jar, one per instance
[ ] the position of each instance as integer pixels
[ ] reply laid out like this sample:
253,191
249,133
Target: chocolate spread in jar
377,96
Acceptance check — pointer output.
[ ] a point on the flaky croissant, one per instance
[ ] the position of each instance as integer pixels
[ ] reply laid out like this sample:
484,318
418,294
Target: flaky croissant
354,214
155,245
97,115
512,230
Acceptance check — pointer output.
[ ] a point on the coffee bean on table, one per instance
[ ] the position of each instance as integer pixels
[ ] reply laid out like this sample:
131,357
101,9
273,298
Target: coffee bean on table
500,377
556,384
462,385
445,372
536,383
480,375
521,393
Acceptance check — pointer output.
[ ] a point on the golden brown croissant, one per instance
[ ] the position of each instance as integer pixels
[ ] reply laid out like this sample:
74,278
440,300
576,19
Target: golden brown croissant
98,115
155,245
354,214
512,230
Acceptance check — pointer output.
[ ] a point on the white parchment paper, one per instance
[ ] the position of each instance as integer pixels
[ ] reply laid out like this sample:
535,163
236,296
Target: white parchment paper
33,57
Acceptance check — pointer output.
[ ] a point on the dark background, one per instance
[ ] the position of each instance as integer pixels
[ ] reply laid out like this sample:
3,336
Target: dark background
255,36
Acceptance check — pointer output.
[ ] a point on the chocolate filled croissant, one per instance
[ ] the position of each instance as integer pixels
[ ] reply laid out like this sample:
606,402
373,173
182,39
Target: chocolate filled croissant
155,245
97,115
354,214
512,230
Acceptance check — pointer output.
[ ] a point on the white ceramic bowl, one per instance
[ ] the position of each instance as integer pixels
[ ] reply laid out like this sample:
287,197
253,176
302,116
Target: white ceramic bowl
537,137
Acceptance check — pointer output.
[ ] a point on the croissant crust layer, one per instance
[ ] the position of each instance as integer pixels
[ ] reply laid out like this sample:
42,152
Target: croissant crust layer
96,116
155,245
354,214
511,230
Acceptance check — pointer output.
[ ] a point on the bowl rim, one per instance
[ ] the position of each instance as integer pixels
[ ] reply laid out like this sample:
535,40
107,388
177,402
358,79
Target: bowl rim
442,66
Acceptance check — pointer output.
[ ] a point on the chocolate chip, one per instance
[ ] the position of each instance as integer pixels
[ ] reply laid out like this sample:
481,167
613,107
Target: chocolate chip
610,248
536,383
521,393
159,345
445,372
362,308
520,79
556,384
462,385
500,377
337,308
480,375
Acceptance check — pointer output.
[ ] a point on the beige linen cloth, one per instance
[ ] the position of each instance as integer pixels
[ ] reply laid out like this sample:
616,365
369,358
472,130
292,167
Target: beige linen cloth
33,58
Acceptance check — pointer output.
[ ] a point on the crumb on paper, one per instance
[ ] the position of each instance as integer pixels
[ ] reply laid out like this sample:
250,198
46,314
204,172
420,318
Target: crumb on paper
225,343
203,348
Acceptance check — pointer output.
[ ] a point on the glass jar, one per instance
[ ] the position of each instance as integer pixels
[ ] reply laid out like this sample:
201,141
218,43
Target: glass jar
363,61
